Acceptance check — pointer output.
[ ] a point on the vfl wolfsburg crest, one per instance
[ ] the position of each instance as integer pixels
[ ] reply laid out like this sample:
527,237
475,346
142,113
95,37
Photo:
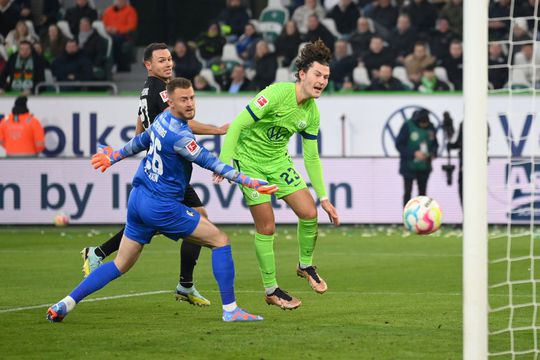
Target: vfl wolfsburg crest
414,136
254,195
302,124
277,133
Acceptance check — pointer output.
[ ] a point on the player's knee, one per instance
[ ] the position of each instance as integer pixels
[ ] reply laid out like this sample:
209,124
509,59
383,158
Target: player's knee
266,229
220,240
308,214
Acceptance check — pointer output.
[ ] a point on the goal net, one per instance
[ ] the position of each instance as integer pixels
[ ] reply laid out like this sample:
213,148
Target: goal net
514,251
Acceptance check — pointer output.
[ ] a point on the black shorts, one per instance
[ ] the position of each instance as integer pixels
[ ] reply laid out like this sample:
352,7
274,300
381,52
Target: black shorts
191,198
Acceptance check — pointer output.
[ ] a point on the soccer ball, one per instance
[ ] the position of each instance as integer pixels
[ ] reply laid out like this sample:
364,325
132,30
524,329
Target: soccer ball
422,215
61,220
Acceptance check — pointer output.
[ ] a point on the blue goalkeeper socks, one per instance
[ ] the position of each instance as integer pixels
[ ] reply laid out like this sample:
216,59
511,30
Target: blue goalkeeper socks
223,268
96,280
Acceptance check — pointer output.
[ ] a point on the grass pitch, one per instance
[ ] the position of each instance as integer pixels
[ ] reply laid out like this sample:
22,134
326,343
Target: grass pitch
390,296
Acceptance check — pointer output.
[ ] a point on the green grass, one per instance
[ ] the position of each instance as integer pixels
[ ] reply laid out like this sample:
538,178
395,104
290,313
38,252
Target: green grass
390,297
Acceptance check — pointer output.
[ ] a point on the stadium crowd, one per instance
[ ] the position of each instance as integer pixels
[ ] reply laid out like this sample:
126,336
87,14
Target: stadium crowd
381,45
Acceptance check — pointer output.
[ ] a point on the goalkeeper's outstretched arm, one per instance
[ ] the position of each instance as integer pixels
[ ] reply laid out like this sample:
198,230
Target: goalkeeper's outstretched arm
106,156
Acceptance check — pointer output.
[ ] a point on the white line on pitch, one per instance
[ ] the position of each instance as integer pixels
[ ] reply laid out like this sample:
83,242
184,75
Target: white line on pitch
366,293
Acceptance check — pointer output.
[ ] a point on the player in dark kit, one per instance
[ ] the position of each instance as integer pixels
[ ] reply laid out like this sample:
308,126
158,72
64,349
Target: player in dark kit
153,101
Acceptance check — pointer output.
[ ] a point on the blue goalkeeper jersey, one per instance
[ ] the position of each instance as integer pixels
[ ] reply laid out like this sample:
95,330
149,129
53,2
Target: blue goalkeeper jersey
166,169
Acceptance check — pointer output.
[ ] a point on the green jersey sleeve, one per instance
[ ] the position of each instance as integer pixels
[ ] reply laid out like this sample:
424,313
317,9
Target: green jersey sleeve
312,162
242,121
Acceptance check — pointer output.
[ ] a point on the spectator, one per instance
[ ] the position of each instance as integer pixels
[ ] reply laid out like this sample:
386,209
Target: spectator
317,31
417,146
429,82
498,63
21,133
302,14
20,33
453,63
403,38
341,65
23,71
287,43
529,62
265,65
211,43
440,38
453,11
238,81
498,29
345,13
201,84
361,38
384,14
423,15
94,46
9,15
245,47
74,15
525,8
519,34
186,64
377,55
72,65
41,13
53,43
120,21
418,60
234,17
385,81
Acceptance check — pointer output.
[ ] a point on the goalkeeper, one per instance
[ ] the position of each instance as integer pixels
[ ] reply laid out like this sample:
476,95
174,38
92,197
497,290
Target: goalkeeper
155,202
257,143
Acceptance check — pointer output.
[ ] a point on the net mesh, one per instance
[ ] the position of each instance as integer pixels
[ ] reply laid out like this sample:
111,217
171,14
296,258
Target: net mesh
514,255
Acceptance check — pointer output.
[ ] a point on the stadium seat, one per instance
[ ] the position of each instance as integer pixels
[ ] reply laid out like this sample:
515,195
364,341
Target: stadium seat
100,28
330,24
278,15
361,77
3,52
270,30
49,78
209,76
283,74
31,29
275,3
518,79
63,25
440,73
400,73
230,54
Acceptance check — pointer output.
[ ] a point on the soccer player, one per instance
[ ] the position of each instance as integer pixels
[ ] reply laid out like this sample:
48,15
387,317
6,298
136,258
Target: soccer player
153,100
155,202
257,143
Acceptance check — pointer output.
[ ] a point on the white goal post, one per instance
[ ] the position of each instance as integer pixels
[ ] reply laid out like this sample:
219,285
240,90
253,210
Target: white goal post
475,236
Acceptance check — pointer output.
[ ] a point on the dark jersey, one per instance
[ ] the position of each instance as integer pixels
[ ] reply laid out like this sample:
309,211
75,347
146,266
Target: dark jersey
153,100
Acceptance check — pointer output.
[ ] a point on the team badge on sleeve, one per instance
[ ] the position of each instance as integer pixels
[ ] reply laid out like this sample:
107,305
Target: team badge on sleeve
261,102
164,96
192,147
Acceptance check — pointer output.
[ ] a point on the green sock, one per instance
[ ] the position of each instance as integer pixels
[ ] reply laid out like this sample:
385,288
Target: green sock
264,247
307,237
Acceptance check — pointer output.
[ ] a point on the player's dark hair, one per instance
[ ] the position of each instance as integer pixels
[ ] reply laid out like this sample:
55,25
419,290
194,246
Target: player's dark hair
149,50
178,82
312,52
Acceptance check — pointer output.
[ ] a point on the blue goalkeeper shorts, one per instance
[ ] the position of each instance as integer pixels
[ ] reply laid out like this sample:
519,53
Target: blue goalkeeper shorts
149,213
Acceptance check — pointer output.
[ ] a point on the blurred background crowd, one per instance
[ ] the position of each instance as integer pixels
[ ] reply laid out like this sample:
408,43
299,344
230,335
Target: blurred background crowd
241,45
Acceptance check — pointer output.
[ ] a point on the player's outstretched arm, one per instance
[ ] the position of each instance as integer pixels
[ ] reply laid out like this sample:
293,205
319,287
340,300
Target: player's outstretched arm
313,165
106,156
192,151
199,128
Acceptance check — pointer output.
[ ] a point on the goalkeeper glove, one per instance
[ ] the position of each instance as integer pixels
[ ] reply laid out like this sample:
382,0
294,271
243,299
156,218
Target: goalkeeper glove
260,185
105,157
